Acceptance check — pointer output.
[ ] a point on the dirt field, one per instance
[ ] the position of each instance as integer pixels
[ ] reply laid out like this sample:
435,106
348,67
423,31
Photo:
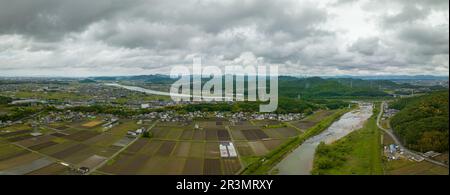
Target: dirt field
91,124
18,160
211,167
82,135
197,150
13,154
199,135
159,132
92,161
124,141
137,145
182,149
258,148
244,127
174,166
53,169
20,138
8,151
262,123
187,134
119,165
272,144
244,149
273,133
69,151
211,135
166,148
193,166
406,167
287,132
304,125
230,166
14,133
237,135
103,140
43,145
173,134
25,168
212,150
36,140
223,135
151,147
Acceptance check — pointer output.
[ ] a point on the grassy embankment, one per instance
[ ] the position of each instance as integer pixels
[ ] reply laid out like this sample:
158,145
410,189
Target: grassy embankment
265,163
357,153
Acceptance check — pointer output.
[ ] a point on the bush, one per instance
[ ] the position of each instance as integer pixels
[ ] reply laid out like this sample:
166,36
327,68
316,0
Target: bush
147,134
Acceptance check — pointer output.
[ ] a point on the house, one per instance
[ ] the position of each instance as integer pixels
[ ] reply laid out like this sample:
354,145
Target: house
144,106
392,148
136,132
132,133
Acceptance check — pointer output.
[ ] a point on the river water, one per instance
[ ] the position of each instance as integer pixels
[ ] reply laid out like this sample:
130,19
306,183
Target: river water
300,161
162,93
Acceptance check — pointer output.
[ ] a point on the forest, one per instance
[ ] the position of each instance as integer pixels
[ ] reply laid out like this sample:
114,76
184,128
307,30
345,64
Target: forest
422,123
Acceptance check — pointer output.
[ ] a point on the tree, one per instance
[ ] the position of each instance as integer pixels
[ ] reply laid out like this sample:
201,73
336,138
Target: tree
147,134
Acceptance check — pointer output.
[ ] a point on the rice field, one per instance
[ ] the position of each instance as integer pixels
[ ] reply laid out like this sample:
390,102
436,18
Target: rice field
174,148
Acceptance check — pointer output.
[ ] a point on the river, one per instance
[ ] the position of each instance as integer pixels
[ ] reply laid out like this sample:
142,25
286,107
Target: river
162,93
300,161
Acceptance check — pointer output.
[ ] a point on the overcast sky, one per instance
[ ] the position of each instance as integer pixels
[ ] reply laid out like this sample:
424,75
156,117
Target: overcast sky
326,37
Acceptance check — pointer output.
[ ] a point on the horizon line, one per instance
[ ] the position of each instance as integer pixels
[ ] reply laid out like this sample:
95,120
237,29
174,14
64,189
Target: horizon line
279,75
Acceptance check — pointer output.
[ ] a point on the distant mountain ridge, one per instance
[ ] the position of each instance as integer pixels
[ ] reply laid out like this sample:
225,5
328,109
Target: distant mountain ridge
393,77
155,77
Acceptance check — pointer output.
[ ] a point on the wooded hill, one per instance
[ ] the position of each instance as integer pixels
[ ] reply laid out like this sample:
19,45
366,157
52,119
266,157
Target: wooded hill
422,123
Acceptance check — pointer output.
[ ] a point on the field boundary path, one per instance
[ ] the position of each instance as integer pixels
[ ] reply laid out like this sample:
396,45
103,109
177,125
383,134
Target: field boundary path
118,152
55,160
416,155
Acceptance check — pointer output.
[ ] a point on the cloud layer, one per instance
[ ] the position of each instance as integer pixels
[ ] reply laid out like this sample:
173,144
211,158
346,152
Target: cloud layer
114,37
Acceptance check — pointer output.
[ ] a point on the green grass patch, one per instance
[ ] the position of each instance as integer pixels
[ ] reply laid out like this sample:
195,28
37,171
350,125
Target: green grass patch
357,153
265,163
6,149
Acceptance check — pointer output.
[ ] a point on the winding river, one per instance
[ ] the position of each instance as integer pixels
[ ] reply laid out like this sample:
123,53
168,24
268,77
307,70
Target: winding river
300,161
162,93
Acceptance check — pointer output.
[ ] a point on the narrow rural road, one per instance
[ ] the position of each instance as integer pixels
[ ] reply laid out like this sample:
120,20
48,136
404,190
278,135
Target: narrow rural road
55,160
405,150
118,152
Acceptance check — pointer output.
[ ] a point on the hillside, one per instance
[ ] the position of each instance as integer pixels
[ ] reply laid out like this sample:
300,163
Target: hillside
316,87
293,87
422,123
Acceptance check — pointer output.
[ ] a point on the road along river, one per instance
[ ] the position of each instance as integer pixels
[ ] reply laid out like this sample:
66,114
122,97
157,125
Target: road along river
300,161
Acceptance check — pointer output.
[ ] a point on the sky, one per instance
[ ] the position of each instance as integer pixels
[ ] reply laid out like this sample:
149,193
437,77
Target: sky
303,37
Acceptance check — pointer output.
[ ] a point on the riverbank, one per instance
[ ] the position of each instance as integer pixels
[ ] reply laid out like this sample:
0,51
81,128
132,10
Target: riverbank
300,161
360,152
265,164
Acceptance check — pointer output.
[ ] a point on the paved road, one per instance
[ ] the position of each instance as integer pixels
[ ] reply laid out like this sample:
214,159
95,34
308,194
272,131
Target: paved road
405,150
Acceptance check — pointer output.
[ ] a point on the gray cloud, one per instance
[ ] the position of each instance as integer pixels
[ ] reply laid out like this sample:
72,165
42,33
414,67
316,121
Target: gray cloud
367,46
110,37
410,13
51,19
